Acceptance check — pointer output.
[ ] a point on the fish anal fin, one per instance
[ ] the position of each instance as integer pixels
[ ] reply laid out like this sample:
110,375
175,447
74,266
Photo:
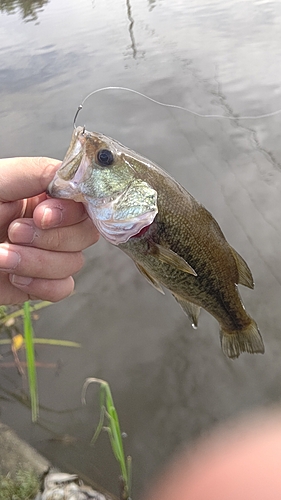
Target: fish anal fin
245,275
247,340
192,310
150,278
169,257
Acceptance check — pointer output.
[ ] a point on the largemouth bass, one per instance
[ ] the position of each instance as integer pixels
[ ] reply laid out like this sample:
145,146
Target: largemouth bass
173,240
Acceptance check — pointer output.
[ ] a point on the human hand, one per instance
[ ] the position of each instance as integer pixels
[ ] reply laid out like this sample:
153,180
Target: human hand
41,239
238,460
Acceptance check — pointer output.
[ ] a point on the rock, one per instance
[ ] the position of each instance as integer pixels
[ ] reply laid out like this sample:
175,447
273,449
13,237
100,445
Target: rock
17,455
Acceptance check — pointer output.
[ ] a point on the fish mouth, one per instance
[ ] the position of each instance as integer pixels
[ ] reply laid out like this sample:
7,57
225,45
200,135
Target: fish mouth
59,188
73,171
71,189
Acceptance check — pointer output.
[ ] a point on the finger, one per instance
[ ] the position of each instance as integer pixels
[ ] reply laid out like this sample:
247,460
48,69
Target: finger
8,293
9,212
31,204
37,263
43,289
56,213
52,290
25,177
64,239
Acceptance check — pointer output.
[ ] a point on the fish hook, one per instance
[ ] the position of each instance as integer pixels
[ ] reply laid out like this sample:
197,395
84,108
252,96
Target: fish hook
76,114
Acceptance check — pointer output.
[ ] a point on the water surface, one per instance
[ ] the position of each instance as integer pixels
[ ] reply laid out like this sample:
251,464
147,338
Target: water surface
170,383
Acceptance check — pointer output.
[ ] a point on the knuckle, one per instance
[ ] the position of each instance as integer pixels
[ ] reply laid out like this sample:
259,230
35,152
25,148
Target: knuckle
56,240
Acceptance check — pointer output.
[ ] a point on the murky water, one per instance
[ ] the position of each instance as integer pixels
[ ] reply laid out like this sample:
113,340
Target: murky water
170,383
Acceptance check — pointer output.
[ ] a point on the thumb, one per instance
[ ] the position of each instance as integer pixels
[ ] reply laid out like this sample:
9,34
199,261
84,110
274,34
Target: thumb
25,177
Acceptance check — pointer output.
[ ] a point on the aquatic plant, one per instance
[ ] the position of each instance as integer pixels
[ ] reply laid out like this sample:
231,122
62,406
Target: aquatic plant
23,486
109,415
108,421
11,320
30,358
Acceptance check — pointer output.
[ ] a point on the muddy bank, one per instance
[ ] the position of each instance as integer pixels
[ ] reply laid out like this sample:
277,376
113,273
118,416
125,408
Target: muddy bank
19,461
17,455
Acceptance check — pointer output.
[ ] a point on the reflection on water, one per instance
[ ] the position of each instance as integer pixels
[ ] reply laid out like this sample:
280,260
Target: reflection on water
152,4
28,9
169,382
131,26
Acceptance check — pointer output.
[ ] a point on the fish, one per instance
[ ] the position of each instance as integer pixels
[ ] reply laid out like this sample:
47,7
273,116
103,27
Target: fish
174,241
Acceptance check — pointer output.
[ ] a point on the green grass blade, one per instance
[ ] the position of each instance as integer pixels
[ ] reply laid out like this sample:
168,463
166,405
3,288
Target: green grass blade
30,359
113,430
20,312
99,427
62,343
129,474
116,433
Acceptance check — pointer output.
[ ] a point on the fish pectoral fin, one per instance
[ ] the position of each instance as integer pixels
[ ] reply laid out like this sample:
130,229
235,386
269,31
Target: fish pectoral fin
150,278
192,310
244,272
169,257
247,340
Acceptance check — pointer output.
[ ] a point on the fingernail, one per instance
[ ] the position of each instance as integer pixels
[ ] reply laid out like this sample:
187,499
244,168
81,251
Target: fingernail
22,232
52,217
8,259
20,280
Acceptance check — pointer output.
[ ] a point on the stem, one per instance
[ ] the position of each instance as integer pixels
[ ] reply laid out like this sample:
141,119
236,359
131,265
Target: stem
30,358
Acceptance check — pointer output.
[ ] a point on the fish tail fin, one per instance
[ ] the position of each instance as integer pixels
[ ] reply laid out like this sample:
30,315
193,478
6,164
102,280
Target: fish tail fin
233,343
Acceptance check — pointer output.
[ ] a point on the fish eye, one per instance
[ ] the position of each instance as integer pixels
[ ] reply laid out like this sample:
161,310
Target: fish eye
105,157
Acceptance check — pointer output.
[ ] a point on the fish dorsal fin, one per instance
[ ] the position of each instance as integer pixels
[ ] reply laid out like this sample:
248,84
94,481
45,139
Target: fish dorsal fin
150,278
192,310
245,275
169,257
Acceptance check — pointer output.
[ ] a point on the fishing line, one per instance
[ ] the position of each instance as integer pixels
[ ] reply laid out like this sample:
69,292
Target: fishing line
173,106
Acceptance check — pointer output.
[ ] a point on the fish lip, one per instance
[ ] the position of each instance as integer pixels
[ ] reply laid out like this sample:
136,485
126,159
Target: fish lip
68,178
73,157
70,165
49,188
59,188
